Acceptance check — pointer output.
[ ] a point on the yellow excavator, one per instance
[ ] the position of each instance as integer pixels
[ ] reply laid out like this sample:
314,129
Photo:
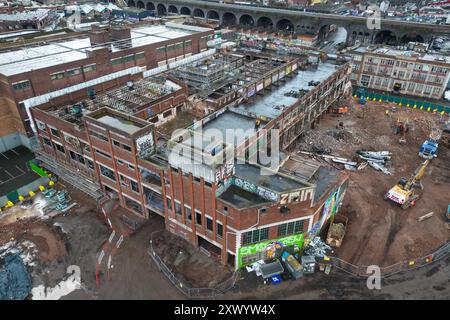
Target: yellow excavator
404,192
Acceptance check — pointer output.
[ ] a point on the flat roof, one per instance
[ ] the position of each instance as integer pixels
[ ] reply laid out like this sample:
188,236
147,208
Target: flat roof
394,52
324,179
230,122
241,198
114,120
31,57
37,14
275,182
265,105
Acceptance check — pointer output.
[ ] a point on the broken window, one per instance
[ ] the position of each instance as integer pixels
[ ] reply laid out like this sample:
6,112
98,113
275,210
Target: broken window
219,230
177,207
188,212
209,224
198,218
107,172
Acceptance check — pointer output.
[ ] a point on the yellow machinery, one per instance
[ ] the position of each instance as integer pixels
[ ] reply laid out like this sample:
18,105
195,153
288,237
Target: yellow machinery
404,192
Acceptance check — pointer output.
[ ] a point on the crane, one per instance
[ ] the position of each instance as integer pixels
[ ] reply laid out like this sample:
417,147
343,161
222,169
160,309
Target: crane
404,192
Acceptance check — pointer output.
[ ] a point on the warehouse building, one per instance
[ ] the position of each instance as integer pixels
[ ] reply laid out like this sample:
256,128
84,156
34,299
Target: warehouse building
411,73
43,67
231,206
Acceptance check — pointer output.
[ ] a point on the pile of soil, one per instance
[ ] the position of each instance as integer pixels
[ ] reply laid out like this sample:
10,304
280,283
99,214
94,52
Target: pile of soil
189,263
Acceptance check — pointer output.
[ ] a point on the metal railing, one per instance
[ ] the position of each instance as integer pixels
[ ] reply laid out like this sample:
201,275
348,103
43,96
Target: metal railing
402,266
186,289
359,271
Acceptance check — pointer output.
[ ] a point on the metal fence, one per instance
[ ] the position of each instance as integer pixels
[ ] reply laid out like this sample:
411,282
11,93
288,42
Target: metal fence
359,271
415,103
187,290
402,266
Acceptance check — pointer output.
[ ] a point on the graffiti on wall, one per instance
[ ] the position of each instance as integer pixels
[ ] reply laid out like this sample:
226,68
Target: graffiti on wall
263,247
225,171
262,192
297,196
328,210
144,143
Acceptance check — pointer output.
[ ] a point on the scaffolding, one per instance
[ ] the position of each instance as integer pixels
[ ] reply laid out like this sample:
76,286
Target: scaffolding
222,73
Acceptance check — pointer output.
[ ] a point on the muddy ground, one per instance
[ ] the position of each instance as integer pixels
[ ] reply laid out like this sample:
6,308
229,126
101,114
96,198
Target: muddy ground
379,231
430,283
134,276
185,261
58,242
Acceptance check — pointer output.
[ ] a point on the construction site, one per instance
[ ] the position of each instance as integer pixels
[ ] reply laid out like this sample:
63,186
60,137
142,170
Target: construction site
379,231
354,182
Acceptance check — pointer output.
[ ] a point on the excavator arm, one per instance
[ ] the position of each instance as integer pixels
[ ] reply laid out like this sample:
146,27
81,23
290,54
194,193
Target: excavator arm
417,176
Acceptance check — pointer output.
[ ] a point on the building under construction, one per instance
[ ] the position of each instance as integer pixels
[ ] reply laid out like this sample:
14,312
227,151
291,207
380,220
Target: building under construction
222,78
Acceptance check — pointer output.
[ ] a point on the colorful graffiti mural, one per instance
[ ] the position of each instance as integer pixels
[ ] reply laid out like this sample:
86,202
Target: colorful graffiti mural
267,247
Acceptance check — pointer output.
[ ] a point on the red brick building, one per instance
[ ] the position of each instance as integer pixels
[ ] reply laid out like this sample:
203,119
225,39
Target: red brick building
40,68
109,144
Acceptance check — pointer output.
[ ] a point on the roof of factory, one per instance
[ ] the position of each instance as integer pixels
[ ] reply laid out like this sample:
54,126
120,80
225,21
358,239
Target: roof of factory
28,58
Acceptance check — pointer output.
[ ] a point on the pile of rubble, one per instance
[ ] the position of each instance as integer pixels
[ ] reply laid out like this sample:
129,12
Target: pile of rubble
296,93
376,159
317,248
379,160
337,230
327,142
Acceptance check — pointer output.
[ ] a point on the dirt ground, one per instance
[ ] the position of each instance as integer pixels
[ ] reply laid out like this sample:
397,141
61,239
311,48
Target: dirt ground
428,283
77,238
186,261
134,275
379,231
70,239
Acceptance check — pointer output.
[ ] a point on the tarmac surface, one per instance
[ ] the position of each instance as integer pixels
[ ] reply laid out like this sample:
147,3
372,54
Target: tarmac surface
15,171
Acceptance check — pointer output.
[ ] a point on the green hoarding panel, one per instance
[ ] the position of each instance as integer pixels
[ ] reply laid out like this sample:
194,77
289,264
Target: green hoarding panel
38,170
362,92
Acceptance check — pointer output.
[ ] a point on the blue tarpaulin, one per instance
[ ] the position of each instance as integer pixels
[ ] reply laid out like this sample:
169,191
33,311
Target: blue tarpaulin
15,281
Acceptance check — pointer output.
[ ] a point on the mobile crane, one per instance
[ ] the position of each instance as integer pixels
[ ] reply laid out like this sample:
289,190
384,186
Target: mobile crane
404,193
